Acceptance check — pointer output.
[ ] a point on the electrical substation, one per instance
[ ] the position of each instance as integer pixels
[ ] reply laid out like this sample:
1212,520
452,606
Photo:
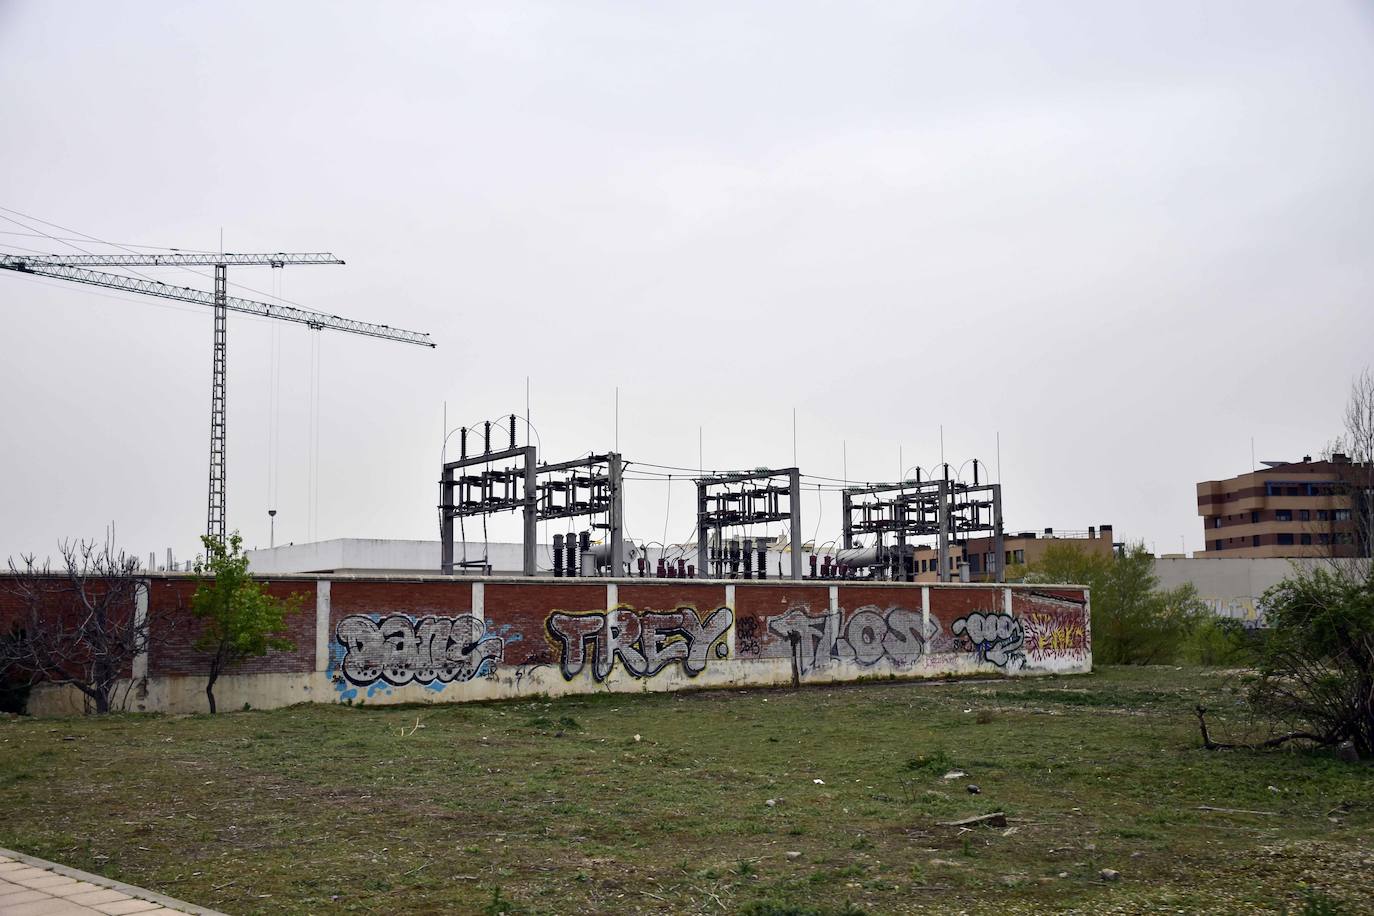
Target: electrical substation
883,525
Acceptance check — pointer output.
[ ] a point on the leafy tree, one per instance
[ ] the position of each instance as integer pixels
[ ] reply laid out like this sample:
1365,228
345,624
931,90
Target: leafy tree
1134,621
1316,670
238,619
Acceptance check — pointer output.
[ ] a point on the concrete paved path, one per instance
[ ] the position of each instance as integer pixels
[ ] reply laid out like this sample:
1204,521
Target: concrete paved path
33,887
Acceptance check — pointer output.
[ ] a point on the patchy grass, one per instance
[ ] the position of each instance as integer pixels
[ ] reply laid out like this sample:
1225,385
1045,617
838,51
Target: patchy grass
540,806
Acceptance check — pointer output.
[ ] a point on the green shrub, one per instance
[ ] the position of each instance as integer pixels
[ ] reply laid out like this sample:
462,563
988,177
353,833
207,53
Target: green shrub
1219,642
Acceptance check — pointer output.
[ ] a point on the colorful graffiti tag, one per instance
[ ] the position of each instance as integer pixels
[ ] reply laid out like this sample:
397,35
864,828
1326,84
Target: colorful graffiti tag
1052,634
996,638
869,636
400,650
645,642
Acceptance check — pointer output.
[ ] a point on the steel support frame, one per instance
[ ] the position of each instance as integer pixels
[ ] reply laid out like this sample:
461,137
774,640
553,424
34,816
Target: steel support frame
916,493
526,503
615,508
706,524
215,508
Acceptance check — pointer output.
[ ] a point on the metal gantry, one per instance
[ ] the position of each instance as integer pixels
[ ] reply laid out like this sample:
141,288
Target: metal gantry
587,487
493,490
75,269
583,487
941,508
759,500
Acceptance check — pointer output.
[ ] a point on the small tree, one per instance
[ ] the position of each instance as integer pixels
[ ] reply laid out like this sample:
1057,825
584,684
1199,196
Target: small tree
76,625
238,619
1316,670
1357,482
1315,674
1134,621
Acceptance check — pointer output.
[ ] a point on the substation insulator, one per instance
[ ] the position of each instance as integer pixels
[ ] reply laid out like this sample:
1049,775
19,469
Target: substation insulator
662,572
681,568
748,558
763,561
641,564
558,556
812,560
691,571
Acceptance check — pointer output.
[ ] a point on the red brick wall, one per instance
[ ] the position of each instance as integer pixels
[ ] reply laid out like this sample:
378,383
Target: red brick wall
175,631
524,609
875,622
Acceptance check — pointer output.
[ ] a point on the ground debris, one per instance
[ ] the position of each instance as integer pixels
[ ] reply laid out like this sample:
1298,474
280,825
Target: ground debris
996,819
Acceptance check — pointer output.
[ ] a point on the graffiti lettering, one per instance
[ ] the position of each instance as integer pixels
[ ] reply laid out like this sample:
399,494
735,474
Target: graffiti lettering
870,636
399,649
995,638
747,636
1051,635
645,643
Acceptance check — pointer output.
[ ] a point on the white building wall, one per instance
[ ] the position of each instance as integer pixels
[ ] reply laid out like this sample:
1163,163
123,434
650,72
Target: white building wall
1231,586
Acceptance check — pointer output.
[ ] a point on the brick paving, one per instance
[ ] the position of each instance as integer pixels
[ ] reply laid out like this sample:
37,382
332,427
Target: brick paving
33,887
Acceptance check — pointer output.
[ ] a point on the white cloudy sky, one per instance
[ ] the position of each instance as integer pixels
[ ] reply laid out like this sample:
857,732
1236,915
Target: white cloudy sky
1125,237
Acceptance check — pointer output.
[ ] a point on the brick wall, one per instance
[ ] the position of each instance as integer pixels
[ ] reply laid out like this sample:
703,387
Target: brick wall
426,639
174,631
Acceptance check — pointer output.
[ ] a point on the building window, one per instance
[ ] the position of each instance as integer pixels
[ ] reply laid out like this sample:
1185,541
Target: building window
1323,539
1020,555
1218,545
1254,517
1283,515
1285,539
1254,540
1323,515
1304,515
1342,515
1216,522
1294,491
1306,539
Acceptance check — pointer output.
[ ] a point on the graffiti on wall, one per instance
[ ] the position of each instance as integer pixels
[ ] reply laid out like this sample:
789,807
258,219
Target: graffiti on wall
869,636
645,642
1054,633
992,637
1247,609
400,650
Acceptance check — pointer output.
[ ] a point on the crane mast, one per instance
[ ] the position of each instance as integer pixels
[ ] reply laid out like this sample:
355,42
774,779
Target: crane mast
75,268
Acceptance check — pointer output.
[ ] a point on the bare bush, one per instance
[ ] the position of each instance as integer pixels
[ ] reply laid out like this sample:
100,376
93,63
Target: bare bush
75,624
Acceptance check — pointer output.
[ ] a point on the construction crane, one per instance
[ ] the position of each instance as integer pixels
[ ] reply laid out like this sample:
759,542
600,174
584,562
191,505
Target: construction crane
75,268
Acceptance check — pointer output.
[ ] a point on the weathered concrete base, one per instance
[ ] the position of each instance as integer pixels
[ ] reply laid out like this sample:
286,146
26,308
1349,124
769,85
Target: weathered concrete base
186,695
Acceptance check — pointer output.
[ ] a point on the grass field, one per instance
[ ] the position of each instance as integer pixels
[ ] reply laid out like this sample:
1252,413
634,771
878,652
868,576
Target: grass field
660,803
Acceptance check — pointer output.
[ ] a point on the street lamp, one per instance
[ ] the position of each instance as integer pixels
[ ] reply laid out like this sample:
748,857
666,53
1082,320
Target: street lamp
272,521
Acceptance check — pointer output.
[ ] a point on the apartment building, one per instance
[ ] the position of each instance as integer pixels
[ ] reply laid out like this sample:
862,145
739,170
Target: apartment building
1019,549
1287,509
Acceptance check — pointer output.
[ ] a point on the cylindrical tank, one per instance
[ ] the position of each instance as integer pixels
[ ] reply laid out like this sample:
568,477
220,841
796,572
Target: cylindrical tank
860,556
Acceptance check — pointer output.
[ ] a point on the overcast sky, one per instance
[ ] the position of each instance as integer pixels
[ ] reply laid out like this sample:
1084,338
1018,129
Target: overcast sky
1124,237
